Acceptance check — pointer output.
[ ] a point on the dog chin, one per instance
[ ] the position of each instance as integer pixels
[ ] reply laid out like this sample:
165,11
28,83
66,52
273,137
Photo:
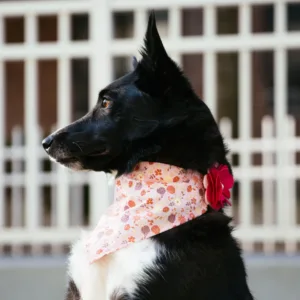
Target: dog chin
73,165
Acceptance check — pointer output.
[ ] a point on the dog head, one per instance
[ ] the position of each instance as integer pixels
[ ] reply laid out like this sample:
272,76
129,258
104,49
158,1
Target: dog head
152,114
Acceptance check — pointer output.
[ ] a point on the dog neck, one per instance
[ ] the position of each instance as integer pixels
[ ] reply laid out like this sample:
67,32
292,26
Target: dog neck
154,198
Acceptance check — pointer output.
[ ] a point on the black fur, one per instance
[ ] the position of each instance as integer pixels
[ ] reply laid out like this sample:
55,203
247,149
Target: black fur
154,115
72,292
206,265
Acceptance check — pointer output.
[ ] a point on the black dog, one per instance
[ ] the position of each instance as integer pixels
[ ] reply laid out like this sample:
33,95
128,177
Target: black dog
152,114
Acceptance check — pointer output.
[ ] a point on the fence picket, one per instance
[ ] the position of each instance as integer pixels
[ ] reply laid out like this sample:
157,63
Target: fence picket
31,125
16,193
210,68
226,130
76,205
2,128
268,184
174,28
53,189
17,203
101,35
245,122
64,118
291,246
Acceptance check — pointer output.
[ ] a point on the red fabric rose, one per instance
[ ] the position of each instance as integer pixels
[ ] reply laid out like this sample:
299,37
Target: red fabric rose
218,182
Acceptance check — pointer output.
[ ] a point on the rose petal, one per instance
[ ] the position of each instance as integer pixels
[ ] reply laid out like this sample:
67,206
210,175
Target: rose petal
205,182
226,177
226,194
205,198
213,194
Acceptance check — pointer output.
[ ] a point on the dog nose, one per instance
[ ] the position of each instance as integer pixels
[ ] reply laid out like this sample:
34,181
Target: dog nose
47,142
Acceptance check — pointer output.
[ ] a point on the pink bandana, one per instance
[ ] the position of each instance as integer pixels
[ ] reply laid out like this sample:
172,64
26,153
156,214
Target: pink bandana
152,199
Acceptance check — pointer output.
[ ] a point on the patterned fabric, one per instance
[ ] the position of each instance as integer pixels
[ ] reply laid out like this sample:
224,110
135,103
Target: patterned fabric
152,199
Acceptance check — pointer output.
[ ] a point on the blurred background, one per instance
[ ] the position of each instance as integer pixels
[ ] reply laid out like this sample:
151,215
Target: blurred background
243,60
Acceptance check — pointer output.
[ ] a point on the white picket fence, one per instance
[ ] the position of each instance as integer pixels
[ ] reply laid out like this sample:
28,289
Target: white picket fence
278,173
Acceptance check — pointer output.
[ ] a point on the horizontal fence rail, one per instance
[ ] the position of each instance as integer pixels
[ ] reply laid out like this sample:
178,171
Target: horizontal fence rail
46,206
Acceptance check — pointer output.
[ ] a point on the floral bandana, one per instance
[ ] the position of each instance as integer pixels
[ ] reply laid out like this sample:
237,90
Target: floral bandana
154,198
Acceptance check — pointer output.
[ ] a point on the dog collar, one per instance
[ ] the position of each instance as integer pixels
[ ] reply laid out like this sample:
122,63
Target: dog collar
154,198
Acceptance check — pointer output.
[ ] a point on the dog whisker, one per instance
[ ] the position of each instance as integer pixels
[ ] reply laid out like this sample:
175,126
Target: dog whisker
76,143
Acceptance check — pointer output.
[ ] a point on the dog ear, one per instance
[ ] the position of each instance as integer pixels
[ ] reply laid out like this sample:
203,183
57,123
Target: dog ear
154,48
159,75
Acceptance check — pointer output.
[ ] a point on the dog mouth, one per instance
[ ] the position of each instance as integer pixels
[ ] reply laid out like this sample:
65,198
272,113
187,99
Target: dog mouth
65,158
97,153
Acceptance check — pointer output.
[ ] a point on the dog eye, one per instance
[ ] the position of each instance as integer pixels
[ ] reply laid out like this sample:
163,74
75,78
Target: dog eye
105,103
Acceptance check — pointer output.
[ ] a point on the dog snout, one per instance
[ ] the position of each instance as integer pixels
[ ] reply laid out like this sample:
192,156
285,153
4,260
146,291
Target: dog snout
47,142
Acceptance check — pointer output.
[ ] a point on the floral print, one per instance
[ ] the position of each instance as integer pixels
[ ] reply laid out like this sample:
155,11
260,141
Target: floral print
152,199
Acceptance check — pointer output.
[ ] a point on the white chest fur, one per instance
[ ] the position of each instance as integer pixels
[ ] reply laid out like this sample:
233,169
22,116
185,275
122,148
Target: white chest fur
118,272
